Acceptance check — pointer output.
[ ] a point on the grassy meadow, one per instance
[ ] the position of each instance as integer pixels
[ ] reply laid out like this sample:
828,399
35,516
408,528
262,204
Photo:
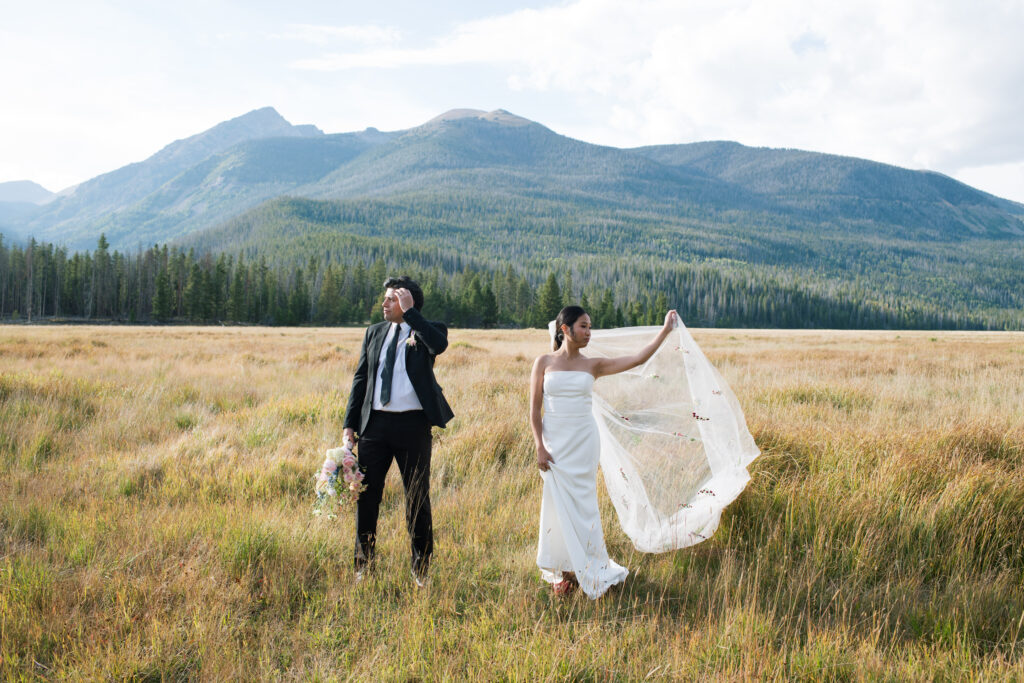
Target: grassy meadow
156,484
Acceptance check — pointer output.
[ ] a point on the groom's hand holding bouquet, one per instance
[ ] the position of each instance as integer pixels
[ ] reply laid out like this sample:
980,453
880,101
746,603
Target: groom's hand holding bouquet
328,495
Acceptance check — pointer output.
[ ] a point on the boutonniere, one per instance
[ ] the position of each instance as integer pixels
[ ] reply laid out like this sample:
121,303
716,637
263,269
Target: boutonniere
411,342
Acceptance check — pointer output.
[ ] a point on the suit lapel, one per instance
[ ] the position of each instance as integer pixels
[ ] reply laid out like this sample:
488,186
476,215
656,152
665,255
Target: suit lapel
376,344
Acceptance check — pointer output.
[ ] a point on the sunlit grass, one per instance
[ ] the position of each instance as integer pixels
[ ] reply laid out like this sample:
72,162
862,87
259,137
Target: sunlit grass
157,485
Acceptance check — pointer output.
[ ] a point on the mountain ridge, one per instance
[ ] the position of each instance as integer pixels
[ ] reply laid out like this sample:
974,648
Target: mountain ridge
25,191
89,206
489,189
200,181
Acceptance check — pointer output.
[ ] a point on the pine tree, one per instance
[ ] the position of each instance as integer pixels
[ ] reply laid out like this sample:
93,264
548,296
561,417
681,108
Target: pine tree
549,301
298,301
489,314
328,302
163,299
236,308
194,295
605,313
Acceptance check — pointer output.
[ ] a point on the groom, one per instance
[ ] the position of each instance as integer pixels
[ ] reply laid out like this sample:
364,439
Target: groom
393,403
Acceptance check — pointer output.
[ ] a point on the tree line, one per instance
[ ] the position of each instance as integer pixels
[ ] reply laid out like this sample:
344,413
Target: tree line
173,284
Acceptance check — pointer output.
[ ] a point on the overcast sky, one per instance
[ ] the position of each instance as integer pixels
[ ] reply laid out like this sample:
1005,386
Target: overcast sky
88,87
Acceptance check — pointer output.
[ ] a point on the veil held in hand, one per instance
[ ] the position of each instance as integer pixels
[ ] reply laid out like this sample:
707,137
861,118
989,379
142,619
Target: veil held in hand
674,442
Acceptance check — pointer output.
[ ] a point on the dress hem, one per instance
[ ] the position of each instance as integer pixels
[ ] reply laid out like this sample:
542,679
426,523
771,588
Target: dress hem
555,575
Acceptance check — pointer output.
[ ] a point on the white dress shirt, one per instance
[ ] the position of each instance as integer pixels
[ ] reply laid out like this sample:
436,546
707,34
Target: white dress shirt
403,396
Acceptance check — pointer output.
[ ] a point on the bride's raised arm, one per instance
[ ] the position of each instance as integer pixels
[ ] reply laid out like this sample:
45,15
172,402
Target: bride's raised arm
611,366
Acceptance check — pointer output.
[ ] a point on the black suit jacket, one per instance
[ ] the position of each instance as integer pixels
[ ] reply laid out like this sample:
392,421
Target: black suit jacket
431,340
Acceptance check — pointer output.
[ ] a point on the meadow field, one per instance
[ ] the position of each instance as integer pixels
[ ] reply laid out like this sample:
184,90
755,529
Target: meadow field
156,487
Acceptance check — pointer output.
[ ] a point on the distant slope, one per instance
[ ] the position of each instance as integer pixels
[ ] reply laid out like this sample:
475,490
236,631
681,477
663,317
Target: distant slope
78,217
25,191
230,182
498,152
829,187
19,201
634,251
202,181
12,216
493,188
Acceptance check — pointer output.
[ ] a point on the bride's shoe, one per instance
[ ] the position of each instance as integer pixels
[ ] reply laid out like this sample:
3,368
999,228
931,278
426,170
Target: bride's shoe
566,586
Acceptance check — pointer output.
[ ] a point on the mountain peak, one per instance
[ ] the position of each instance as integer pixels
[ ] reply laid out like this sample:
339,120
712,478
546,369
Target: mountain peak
496,116
25,191
262,112
265,118
265,122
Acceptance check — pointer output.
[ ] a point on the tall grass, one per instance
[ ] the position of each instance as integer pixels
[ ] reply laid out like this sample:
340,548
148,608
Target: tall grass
156,482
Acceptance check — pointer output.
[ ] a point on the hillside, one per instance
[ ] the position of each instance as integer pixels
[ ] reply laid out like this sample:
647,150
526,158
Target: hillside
489,189
202,181
111,201
24,191
829,187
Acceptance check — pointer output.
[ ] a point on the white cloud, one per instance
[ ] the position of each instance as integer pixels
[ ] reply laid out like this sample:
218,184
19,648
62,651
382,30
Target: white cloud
917,83
1002,180
921,84
368,34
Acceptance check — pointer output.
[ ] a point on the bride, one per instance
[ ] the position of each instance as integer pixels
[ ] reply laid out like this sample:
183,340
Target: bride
571,551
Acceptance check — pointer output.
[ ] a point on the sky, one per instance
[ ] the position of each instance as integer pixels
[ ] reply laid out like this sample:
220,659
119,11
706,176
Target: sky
936,84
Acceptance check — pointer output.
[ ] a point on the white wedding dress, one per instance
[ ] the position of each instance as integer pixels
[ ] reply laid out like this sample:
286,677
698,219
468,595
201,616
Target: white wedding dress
571,536
672,443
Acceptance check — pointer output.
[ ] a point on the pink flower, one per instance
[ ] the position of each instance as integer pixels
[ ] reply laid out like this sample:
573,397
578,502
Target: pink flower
330,466
349,477
411,342
348,461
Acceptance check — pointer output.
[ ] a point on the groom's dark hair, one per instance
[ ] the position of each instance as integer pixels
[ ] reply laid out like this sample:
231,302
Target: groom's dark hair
406,282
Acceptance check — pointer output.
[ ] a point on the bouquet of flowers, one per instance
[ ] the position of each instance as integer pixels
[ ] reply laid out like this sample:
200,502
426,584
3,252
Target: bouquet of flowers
340,463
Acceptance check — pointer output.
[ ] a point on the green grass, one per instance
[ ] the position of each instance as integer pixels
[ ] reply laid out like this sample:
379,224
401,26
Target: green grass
156,519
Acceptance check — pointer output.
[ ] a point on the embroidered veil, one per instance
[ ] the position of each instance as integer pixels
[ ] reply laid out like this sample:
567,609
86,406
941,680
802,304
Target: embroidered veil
674,442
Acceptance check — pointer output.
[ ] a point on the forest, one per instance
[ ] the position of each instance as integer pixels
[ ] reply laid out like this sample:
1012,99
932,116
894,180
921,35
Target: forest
174,284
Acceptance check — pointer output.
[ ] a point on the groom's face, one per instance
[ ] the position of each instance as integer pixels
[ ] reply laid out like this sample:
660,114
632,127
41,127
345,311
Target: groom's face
392,311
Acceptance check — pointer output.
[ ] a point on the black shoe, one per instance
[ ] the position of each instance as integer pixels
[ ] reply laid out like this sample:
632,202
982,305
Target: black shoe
421,580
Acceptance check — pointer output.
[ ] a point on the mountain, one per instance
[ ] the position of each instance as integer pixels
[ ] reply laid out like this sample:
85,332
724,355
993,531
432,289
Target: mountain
227,183
24,191
19,201
110,201
493,188
207,179
204,180
498,152
836,187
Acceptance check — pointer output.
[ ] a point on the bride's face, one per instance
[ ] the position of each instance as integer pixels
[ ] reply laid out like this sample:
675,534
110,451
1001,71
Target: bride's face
580,331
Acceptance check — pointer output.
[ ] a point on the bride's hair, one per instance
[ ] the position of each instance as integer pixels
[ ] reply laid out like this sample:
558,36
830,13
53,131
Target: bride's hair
567,316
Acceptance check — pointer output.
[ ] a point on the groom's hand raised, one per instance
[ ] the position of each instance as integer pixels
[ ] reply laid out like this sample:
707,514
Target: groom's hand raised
405,300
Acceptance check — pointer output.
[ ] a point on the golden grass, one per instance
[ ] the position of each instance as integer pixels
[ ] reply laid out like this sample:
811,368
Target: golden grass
156,487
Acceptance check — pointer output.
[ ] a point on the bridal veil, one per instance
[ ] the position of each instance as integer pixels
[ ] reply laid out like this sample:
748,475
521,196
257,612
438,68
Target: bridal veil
674,442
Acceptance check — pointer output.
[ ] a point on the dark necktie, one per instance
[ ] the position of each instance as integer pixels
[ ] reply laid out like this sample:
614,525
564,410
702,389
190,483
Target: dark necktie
389,367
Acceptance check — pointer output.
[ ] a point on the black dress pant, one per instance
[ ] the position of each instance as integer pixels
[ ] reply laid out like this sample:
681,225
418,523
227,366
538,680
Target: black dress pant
405,438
